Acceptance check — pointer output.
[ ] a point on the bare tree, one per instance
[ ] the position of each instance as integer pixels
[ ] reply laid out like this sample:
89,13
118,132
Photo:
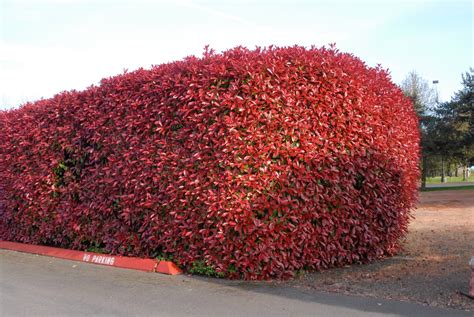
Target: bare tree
424,96
424,99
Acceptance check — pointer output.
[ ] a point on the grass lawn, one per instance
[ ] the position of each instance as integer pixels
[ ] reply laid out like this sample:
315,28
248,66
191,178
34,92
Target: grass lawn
453,179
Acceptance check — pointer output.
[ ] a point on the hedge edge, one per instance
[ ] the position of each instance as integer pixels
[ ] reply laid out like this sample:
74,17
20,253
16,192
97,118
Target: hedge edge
133,263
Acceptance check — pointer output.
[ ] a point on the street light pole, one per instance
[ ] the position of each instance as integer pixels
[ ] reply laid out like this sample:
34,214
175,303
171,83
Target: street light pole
435,83
443,177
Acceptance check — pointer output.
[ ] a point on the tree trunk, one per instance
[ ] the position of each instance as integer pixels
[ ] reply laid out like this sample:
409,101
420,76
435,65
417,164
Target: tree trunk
464,173
423,172
456,170
443,177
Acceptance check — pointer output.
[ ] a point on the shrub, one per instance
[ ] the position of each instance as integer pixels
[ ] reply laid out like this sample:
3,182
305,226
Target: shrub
251,163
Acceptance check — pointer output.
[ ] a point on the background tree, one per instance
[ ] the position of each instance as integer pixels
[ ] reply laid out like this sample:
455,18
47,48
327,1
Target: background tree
447,129
424,99
423,95
456,124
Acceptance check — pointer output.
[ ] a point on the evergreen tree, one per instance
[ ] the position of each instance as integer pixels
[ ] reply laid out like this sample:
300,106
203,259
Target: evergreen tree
454,135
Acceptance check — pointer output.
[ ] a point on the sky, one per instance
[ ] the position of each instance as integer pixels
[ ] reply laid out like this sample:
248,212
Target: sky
48,46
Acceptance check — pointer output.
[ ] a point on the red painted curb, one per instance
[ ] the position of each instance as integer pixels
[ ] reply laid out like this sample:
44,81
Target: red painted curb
148,265
168,267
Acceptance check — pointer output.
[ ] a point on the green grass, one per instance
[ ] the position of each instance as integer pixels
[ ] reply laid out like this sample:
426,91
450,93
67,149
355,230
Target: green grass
200,268
433,189
453,179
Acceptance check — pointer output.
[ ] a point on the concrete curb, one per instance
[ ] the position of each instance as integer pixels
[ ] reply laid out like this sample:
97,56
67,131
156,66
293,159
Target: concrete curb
147,265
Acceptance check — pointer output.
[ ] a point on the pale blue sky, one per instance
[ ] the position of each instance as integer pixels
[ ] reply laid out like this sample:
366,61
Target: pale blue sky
48,46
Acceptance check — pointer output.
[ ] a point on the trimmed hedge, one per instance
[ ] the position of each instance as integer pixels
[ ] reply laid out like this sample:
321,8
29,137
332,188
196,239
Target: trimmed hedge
250,163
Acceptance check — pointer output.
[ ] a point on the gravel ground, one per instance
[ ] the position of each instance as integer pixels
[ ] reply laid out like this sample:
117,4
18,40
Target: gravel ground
431,270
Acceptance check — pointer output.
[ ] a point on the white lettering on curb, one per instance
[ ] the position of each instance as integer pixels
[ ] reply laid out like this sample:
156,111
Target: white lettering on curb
99,259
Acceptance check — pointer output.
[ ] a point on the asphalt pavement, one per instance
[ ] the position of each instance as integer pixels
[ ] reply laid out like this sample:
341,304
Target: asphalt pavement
32,285
451,184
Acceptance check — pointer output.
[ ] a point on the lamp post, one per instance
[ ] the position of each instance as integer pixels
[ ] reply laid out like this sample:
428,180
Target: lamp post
435,83
443,177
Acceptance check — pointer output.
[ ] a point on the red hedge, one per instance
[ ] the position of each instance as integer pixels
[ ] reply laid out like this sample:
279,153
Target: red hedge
257,163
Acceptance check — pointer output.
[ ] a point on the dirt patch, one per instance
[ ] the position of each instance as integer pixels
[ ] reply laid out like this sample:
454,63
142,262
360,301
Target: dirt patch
432,269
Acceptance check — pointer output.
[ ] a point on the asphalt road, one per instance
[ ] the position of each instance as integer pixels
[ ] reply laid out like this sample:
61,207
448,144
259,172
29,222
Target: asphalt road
453,184
32,285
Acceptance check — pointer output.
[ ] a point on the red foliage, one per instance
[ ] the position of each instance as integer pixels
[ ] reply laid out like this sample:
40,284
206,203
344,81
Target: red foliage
257,163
